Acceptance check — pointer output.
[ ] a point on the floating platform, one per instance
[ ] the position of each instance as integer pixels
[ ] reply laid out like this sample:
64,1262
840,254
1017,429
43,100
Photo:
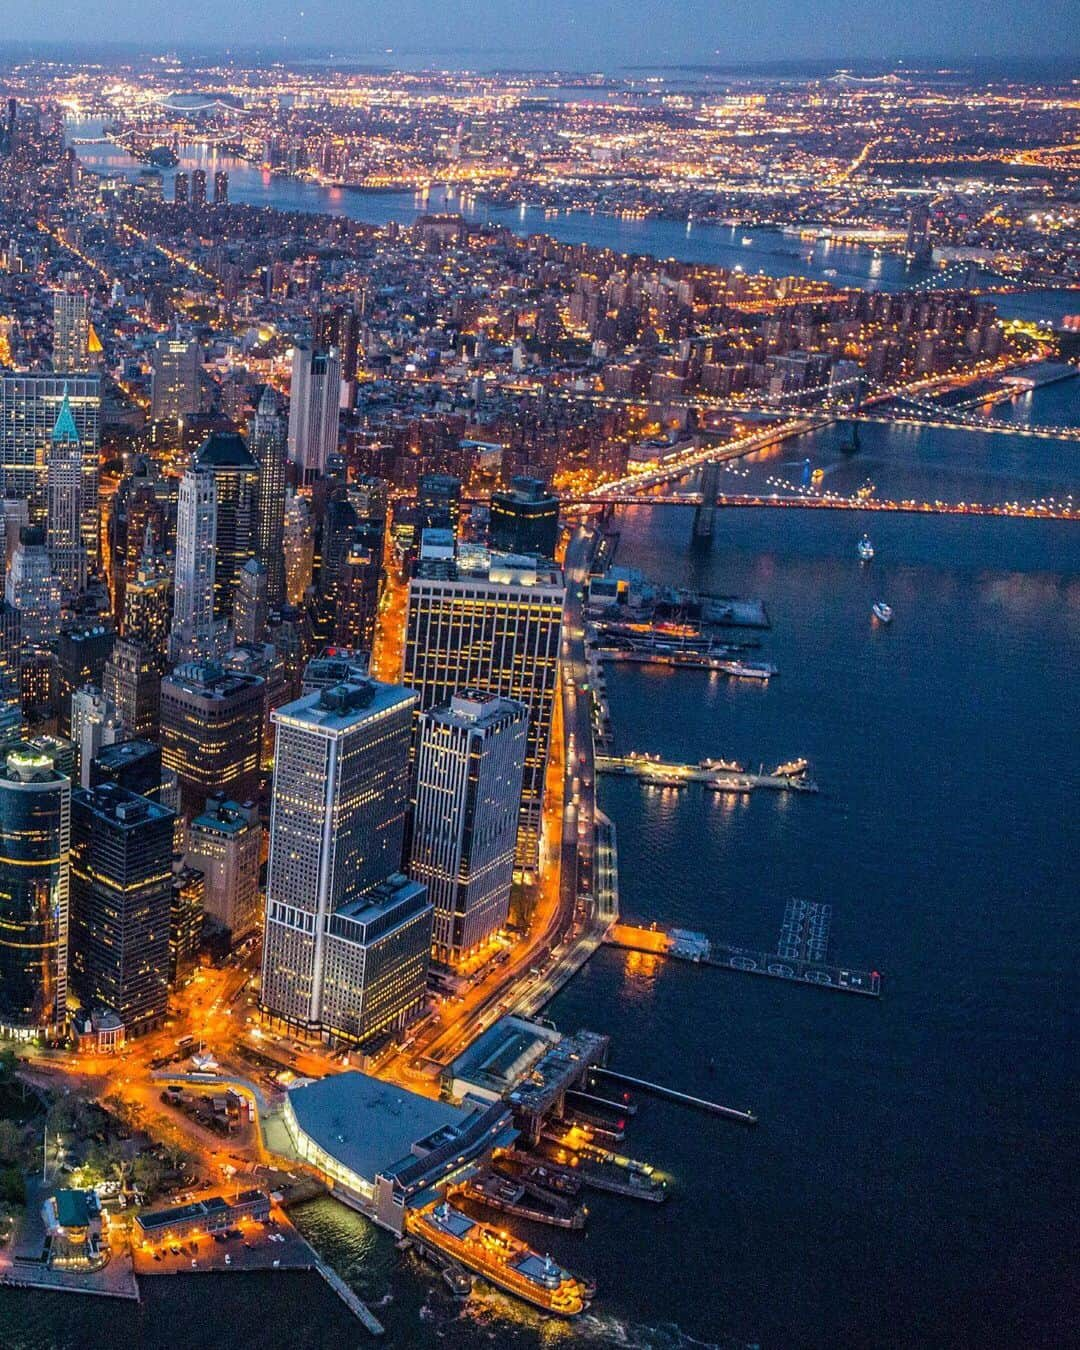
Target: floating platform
690,660
697,949
719,779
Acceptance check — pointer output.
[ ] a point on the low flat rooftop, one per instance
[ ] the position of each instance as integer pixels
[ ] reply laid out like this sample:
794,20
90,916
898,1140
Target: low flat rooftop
366,1124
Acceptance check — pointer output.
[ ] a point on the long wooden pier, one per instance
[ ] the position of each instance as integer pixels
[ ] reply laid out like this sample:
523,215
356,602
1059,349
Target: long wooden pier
683,1098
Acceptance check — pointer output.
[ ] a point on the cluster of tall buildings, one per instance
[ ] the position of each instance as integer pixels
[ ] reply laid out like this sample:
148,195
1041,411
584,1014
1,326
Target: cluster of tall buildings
139,719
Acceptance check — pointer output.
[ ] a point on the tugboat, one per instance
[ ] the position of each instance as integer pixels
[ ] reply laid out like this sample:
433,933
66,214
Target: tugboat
866,548
881,611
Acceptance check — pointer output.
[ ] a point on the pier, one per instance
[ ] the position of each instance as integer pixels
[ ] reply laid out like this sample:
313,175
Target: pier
351,1301
689,660
800,955
683,1098
717,775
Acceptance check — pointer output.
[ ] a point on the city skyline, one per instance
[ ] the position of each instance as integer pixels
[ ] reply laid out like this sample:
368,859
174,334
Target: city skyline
529,601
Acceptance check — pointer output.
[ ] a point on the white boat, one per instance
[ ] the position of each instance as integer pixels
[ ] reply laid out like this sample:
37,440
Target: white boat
747,241
866,548
882,611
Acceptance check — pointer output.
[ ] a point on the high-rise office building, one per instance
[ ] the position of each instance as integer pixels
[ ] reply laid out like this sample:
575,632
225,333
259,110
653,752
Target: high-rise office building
31,588
132,683
94,724
524,520
82,650
236,475
221,188
339,327
337,826
14,514
198,187
135,765
490,623
358,590
438,501
181,185
298,547
268,441
251,608
121,896
470,757
63,520
225,844
185,920
177,363
376,961
211,732
71,331
30,405
196,530
35,826
314,399
148,600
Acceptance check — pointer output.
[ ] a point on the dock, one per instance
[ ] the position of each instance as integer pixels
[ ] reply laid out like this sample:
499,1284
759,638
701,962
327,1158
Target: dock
800,956
683,1098
761,671
715,774
351,1301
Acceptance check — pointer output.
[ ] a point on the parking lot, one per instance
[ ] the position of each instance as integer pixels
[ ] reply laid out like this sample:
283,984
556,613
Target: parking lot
248,1245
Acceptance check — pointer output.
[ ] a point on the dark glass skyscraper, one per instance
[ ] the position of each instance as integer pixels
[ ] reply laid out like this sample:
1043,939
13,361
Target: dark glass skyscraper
268,440
121,899
35,822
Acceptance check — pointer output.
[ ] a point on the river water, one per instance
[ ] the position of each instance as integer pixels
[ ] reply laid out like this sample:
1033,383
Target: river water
912,1181
751,249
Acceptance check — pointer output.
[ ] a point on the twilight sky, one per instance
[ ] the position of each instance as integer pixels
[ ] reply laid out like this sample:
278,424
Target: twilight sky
581,33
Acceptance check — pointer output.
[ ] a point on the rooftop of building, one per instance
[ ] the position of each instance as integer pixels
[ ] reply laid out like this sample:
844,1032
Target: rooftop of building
340,706
500,1058
473,563
224,450
382,899
110,801
209,679
226,817
367,1125
125,752
75,1209
475,708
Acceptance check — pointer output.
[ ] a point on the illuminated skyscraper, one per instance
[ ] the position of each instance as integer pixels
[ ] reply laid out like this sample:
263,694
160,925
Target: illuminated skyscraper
337,826
94,724
67,554
176,362
180,188
225,844
30,405
268,440
211,732
314,398
298,548
196,527
236,475
35,826
525,519
490,623
148,602
198,187
340,327
469,761
32,589
132,684
221,188
71,331
121,895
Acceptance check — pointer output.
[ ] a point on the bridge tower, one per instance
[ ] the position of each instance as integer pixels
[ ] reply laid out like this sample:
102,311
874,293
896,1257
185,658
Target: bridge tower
705,514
